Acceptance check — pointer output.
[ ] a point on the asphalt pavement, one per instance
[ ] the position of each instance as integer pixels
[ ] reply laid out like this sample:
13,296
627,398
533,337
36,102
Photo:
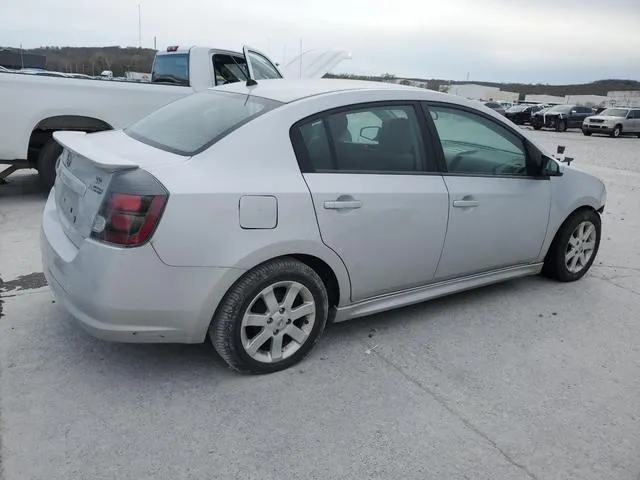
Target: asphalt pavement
530,379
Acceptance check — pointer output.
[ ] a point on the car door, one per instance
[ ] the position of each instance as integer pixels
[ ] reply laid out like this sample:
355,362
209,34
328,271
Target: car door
380,204
310,64
498,211
259,65
634,117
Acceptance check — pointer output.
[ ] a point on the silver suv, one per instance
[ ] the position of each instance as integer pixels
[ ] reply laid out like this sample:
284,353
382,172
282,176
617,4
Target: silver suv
614,122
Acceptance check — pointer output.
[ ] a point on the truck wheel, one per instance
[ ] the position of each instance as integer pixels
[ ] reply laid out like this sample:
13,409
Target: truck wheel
617,131
46,164
537,126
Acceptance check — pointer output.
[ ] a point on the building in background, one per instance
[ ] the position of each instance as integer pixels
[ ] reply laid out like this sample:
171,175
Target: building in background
623,99
16,59
586,100
549,99
482,92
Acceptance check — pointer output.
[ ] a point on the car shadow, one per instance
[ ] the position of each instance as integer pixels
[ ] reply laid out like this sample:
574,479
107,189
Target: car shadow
22,183
184,362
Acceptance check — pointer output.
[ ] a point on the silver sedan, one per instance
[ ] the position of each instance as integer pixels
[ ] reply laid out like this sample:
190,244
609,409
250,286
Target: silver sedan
253,214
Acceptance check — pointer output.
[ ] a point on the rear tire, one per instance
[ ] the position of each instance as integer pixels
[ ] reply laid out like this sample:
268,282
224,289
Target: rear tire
46,164
574,247
617,131
537,126
256,330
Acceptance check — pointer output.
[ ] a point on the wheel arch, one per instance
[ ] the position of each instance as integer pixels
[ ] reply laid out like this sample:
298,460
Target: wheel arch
43,130
576,210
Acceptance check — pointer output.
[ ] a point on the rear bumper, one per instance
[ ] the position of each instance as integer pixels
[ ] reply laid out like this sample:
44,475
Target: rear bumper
129,295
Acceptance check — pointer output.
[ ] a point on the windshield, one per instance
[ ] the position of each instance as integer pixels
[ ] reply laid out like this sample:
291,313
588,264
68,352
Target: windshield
171,68
559,109
192,124
614,112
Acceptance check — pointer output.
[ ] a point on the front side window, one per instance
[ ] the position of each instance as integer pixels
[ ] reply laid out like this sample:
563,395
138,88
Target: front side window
635,114
474,145
229,69
262,68
193,123
374,139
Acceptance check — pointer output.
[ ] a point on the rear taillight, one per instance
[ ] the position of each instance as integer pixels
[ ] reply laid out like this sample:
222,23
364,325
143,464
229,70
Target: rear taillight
131,209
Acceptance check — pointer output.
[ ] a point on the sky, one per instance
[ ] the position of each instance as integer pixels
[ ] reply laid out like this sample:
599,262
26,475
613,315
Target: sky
530,41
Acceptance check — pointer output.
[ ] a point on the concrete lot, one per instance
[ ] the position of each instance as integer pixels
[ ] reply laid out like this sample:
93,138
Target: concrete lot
527,380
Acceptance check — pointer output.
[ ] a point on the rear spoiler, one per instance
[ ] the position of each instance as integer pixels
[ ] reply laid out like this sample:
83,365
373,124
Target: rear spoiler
81,144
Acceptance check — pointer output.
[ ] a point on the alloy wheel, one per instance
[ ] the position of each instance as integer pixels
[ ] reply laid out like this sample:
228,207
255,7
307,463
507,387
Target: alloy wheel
278,322
580,247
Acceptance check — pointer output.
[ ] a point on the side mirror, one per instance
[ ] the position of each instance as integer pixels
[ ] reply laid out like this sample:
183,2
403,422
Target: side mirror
370,133
550,167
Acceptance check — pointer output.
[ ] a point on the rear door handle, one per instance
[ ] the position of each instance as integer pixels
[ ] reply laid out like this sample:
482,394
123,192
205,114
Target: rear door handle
343,204
465,203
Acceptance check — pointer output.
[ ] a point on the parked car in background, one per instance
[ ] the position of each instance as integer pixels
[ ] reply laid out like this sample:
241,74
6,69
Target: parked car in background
495,106
614,121
174,231
561,117
521,114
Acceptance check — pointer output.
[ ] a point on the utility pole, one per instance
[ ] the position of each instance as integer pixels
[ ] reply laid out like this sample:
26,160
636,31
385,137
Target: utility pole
22,56
139,27
154,43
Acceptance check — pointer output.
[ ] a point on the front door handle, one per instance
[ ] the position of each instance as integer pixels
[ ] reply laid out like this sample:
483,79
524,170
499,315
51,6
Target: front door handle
343,204
465,203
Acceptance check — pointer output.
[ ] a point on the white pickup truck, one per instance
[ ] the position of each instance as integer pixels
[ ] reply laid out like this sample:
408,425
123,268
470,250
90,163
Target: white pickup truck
32,107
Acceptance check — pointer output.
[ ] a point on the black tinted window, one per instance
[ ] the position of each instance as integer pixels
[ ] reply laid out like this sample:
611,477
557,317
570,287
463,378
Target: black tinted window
171,68
380,139
191,124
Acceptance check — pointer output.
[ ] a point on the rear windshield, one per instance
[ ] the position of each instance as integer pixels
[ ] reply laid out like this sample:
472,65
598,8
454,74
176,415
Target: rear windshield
171,68
190,125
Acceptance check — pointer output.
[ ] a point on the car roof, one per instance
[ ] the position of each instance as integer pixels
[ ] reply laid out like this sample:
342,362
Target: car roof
290,90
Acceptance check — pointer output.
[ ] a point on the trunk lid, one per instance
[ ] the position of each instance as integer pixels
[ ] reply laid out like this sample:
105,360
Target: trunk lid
85,169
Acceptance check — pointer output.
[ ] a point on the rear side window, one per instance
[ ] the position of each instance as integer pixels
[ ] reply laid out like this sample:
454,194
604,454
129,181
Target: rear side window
193,123
374,139
171,68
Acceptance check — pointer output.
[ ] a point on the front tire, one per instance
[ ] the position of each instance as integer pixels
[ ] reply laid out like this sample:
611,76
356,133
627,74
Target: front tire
537,126
586,134
574,248
617,131
46,164
271,318
561,126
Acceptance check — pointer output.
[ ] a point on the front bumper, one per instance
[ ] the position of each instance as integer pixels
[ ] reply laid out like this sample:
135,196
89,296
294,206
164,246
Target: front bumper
128,294
597,128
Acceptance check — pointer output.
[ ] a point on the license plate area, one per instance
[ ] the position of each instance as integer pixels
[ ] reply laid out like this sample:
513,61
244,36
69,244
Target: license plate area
68,203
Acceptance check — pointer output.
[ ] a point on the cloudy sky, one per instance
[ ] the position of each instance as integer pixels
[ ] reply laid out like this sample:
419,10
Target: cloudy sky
545,41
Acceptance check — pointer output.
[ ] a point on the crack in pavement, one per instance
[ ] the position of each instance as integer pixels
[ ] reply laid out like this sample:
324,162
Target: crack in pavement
441,400
609,280
634,269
